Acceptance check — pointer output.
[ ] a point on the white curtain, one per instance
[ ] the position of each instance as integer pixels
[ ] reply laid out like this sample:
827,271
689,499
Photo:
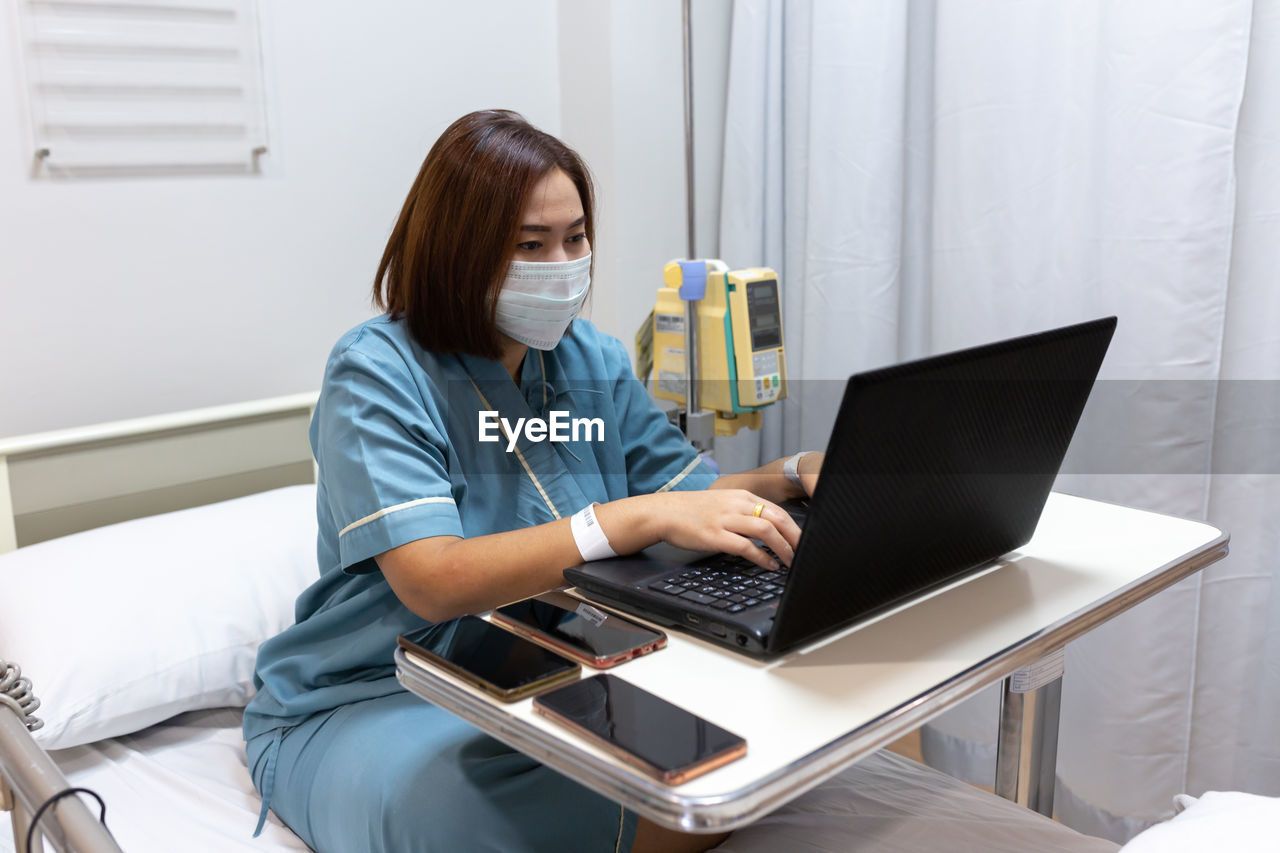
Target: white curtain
929,175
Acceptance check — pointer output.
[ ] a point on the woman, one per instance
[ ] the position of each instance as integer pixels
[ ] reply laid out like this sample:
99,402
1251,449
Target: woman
421,519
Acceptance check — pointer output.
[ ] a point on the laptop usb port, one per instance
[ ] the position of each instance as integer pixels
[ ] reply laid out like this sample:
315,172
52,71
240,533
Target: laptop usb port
691,619
718,629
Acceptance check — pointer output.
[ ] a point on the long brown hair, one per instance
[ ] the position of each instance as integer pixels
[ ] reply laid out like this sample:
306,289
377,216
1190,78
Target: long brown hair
450,249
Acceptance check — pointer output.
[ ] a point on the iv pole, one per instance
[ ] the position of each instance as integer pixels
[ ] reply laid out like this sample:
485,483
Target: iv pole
699,426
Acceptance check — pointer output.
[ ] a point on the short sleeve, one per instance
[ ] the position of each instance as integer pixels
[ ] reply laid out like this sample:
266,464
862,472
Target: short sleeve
659,458
382,456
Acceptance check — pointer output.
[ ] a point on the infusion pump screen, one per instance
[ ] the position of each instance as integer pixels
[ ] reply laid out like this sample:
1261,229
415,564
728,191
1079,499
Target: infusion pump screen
762,308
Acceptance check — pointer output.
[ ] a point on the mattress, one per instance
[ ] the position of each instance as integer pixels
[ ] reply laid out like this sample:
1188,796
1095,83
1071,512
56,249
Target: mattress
184,785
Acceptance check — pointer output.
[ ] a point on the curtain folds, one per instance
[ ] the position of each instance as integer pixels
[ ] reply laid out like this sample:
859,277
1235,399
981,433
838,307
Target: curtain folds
926,176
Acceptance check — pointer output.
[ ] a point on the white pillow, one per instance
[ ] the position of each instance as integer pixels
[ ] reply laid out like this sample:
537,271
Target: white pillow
1219,820
124,626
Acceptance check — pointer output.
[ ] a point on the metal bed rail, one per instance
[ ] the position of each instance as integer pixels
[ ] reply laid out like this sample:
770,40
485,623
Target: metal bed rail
29,778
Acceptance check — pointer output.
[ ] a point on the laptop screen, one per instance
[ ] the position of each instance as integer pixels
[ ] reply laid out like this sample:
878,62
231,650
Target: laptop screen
934,468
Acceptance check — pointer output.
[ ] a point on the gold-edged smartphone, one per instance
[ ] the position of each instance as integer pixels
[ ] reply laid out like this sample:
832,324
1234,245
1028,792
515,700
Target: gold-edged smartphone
665,741
578,630
493,659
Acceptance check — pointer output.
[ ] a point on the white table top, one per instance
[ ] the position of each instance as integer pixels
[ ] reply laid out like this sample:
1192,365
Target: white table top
810,713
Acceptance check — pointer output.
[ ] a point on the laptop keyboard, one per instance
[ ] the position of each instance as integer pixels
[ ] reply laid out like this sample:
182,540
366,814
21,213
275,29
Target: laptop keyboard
726,582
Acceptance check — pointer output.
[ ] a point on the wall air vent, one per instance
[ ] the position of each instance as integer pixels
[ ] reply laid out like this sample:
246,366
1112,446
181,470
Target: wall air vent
143,86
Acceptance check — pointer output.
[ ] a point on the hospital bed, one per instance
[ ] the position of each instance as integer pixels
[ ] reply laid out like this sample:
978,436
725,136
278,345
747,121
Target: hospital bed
152,556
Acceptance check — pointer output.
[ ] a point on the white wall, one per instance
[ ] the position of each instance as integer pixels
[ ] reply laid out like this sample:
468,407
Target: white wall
130,296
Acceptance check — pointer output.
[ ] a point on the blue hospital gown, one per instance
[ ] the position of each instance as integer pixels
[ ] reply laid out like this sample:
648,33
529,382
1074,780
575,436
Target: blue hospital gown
337,747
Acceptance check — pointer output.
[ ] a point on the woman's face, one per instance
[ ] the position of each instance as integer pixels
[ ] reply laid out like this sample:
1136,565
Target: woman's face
552,222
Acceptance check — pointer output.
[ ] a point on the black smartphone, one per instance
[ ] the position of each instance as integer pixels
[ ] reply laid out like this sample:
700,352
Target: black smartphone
489,657
646,731
578,630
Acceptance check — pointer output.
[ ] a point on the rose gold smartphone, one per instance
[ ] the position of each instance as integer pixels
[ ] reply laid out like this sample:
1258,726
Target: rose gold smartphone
578,630
495,660
646,731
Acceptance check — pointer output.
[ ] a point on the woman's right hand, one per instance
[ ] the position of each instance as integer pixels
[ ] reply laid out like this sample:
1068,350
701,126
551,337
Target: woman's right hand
712,520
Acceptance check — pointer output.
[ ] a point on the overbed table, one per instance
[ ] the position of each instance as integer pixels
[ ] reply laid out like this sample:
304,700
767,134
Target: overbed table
809,714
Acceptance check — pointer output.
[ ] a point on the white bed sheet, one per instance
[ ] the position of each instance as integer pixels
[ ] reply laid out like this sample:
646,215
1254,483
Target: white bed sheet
184,785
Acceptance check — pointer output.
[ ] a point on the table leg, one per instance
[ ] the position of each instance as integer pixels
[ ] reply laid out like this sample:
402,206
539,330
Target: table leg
1027,747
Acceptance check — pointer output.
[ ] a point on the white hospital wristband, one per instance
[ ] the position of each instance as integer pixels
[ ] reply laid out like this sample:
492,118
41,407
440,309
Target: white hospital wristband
587,535
792,467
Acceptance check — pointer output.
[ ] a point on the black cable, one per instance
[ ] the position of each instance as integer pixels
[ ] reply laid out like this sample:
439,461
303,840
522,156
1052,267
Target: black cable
31,830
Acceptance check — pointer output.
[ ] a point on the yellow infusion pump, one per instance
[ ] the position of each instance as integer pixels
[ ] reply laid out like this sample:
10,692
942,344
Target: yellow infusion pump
742,364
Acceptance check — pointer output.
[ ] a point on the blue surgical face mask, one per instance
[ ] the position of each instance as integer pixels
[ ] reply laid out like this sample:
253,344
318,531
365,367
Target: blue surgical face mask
538,301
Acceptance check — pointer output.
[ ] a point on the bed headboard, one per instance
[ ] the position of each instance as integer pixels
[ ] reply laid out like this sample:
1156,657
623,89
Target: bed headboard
55,483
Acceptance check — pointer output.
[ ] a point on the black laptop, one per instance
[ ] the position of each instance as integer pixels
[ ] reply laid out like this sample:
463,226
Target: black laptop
934,469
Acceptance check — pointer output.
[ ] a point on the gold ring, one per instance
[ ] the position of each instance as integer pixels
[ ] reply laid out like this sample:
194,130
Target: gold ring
759,509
